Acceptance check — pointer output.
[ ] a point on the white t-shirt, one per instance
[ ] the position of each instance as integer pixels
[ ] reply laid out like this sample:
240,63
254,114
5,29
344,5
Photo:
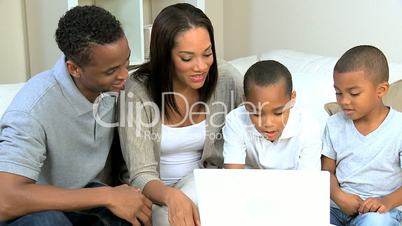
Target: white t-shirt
298,147
181,150
368,166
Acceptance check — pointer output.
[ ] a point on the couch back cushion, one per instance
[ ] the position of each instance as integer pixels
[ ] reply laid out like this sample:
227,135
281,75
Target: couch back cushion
7,93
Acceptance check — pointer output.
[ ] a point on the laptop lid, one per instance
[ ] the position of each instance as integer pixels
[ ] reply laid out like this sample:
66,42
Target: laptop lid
262,197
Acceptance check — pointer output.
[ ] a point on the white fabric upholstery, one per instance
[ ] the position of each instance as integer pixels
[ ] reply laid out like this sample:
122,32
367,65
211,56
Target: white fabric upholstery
7,93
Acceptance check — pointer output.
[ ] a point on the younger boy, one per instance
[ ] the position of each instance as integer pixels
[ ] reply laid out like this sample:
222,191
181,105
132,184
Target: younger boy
267,132
363,143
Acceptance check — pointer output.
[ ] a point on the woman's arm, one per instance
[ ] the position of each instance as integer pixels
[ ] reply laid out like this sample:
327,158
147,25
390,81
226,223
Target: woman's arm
181,209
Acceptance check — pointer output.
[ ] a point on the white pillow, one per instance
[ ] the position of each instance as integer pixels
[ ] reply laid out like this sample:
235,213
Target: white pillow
7,93
313,90
242,64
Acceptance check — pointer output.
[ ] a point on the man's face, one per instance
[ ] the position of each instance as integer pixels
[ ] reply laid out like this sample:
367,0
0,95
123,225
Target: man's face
106,71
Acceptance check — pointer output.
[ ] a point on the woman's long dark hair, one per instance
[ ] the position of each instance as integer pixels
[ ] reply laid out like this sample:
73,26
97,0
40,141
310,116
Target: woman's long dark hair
157,74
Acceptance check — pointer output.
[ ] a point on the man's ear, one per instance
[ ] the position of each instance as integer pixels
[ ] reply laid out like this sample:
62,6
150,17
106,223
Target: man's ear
73,69
382,89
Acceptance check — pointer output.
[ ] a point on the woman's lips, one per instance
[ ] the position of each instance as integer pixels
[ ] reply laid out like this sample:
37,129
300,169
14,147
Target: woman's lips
198,78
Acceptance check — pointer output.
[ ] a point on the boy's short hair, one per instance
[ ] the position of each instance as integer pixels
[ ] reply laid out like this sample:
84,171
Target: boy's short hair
367,58
83,27
267,72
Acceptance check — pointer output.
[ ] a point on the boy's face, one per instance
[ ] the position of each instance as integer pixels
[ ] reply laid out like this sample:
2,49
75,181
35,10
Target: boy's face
269,107
357,95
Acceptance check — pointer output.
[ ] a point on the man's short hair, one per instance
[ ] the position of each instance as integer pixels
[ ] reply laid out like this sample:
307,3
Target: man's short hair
83,27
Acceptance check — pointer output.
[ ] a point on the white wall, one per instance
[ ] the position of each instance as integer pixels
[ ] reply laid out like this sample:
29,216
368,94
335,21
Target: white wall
13,58
242,27
318,26
214,11
42,18
212,8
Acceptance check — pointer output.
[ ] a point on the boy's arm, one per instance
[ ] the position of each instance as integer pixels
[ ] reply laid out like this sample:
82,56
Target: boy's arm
310,152
384,204
233,166
234,148
20,196
349,203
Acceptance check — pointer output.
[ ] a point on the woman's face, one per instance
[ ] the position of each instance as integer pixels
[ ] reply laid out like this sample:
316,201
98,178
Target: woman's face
192,57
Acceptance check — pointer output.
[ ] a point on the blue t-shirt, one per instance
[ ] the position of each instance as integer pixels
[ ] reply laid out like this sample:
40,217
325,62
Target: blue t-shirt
49,133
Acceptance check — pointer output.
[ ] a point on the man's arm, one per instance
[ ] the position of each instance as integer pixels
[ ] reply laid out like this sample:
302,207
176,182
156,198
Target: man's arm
20,196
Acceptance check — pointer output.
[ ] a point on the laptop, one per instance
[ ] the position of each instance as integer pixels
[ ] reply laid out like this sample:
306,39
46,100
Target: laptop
254,197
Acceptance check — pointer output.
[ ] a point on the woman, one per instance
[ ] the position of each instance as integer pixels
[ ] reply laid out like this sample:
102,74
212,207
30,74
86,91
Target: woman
175,106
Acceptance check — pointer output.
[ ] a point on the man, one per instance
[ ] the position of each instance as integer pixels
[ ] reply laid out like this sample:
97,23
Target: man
52,148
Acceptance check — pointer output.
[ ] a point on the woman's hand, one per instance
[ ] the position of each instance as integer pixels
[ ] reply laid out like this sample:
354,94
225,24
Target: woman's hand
131,205
181,209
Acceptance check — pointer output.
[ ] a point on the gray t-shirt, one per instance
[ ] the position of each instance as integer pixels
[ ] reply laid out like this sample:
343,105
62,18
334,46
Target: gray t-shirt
49,133
368,166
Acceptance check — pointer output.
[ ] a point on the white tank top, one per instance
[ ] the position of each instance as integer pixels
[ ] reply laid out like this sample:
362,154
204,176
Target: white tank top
181,150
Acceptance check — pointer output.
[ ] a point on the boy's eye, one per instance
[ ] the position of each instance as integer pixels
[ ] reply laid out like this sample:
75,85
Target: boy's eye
338,94
254,114
278,113
355,94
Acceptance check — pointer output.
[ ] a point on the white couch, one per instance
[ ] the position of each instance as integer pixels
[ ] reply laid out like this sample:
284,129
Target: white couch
7,93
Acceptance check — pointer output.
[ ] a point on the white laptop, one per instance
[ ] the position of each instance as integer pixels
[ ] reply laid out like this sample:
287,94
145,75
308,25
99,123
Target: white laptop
262,197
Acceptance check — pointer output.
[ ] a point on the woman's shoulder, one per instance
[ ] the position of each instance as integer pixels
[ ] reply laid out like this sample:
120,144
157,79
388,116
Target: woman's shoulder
136,86
228,75
227,71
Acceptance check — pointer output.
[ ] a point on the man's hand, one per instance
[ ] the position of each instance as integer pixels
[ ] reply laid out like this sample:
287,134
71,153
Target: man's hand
131,205
182,211
373,205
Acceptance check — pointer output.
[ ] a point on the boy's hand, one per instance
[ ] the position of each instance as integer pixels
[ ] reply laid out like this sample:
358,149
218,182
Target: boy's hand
349,203
373,205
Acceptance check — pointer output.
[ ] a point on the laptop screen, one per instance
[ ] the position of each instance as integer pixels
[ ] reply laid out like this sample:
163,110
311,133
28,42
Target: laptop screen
262,197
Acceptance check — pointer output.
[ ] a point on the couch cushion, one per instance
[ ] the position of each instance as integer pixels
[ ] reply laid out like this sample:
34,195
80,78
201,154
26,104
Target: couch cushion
394,96
242,64
7,93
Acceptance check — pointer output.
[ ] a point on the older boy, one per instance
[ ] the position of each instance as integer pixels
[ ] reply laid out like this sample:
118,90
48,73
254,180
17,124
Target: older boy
51,146
363,144
267,132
